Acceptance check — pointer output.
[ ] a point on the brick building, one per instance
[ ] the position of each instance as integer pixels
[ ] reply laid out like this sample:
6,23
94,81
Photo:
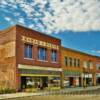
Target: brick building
31,59
98,70
79,68
27,58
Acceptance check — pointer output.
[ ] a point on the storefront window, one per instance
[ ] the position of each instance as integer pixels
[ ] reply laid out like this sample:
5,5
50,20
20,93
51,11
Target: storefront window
54,81
41,53
28,51
54,55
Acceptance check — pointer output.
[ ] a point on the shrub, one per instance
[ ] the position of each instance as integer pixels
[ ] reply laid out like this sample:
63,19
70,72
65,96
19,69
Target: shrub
7,90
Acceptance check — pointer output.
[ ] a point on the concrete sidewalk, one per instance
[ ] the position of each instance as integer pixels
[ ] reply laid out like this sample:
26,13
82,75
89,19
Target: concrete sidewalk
42,93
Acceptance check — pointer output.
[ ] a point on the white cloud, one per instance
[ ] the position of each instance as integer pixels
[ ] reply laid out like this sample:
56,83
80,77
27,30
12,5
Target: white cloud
7,19
75,15
96,51
21,20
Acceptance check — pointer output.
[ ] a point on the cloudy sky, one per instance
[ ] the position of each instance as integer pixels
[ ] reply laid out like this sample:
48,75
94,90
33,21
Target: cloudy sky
75,22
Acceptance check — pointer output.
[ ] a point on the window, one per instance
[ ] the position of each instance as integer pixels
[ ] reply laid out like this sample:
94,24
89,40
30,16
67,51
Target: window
28,51
41,53
85,64
75,62
88,64
66,61
98,66
91,65
78,62
70,61
54,55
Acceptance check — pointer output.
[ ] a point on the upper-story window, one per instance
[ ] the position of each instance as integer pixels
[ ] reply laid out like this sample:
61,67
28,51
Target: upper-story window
42,53
54,56
91,65
75,64
27,51
66,61
98,66
88,64
70,61
85,64
78,62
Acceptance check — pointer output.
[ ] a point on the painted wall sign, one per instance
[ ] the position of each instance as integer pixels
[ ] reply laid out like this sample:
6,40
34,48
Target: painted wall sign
40,72
38,42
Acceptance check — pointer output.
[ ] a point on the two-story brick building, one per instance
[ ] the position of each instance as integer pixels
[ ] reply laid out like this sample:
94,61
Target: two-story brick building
78,68
29,58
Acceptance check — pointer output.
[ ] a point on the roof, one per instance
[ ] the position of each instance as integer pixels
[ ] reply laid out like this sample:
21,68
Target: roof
37,32
81,52
17,25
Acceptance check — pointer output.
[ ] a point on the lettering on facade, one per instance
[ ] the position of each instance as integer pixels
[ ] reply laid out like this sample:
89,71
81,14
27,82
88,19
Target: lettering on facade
42,72
38,42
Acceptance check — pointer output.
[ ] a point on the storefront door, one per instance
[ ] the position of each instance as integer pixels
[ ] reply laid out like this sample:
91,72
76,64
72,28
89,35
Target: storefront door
23,82
71,81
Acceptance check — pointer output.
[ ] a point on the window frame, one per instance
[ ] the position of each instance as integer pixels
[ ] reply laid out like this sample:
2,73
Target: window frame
27,53
42,55
54,60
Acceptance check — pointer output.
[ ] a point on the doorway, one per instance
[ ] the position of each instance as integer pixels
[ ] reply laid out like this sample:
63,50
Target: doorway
23,82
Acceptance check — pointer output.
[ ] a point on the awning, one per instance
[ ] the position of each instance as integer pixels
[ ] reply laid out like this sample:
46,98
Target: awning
70,73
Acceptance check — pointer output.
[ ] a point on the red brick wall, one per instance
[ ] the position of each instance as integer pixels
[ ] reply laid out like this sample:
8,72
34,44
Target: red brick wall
21,31
82,56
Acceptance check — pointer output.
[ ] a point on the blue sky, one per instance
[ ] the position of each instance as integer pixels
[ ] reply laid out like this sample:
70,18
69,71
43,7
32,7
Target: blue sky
88,42
75,22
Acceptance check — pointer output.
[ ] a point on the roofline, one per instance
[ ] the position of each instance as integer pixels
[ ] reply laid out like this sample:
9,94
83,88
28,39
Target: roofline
7,29
37,31
11,27
79,52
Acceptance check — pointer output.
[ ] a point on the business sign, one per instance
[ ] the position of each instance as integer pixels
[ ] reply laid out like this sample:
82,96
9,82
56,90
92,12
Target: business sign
38,72
38,42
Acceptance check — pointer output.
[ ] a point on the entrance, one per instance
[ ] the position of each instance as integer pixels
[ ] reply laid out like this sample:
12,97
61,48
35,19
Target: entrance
44,81
89,81
23,82
98,81
71,79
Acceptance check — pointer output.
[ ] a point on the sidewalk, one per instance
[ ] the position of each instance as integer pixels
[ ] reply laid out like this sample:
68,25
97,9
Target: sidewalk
63,91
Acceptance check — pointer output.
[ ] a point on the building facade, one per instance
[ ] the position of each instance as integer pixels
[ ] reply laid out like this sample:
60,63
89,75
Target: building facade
29,59
98,70
79,69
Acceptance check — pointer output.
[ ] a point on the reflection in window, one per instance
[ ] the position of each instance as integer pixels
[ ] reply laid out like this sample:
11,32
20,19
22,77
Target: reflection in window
28,51
41,53
54,55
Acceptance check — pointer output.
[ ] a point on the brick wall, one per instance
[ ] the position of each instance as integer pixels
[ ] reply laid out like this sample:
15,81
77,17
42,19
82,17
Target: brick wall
21,31
7,58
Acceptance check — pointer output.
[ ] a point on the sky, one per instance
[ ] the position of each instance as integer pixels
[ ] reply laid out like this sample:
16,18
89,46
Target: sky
75,22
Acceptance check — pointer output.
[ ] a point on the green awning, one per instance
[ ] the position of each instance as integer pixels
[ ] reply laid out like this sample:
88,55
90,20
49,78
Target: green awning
72,73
